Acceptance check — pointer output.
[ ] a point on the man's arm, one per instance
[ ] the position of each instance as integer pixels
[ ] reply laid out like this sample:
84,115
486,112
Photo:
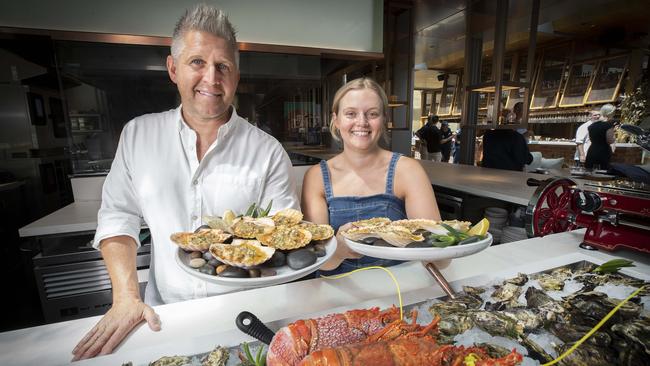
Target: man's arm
127,311
118,225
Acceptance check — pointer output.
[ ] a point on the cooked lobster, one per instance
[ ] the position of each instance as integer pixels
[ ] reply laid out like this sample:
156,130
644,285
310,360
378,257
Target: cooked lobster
406,352
295,341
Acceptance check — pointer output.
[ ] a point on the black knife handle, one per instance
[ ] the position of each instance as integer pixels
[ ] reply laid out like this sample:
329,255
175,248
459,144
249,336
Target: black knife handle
532,182
251,325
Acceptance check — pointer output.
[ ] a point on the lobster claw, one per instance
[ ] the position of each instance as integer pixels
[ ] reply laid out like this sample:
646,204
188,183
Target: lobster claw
251,325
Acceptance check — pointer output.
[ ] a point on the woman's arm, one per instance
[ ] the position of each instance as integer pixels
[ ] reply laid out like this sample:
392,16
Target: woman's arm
413,184
314,209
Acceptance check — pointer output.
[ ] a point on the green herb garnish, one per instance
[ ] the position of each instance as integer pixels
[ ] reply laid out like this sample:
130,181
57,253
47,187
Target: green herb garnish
258,360
613,266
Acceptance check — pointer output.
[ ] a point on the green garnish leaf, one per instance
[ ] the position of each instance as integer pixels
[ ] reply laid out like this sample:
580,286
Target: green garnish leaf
613,266
266,211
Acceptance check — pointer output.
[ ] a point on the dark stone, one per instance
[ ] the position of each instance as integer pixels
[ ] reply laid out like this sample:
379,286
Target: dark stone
207,255
368,240
207,269
234,272
382,243
319,251
214,262
301,258
419,244
277,260
254,272
267,272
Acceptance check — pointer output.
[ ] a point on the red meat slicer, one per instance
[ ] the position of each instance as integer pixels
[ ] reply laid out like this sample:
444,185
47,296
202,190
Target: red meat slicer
616,213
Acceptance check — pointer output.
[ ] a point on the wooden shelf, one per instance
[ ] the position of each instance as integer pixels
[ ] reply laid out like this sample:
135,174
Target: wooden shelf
490,87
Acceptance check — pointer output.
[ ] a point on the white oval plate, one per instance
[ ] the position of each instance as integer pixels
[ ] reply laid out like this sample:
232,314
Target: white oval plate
284,273
420,254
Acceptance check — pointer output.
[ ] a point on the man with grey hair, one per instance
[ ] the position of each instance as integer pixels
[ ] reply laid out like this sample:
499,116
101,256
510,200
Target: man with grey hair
173,168
582,136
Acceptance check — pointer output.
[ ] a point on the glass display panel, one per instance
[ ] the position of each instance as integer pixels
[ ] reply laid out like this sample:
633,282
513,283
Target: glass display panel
607,80
459,99
447,98
547,87
577,84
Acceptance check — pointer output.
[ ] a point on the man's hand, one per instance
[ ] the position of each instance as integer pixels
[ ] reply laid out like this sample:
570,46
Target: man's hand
114,327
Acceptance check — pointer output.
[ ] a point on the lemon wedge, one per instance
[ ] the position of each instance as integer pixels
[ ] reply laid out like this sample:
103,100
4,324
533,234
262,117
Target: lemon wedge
480,228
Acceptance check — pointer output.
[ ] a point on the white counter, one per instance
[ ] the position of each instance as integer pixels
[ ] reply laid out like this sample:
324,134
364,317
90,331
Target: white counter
75,217
197,326
504,185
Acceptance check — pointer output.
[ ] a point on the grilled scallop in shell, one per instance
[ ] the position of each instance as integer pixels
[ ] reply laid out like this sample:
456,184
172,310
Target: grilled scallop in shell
287,217
242,253
201,240
398,236
286,237
249,227
375,221
318,232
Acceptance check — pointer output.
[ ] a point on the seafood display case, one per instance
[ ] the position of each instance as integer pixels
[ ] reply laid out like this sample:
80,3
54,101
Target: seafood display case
539,310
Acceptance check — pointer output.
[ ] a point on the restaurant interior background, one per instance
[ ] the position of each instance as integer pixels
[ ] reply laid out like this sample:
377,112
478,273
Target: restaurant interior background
67,90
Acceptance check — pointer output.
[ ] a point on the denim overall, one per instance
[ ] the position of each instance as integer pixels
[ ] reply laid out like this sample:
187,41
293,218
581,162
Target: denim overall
346,209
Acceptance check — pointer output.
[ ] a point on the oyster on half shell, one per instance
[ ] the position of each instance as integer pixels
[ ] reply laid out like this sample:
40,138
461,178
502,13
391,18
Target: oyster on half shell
242,253
396,235
201,240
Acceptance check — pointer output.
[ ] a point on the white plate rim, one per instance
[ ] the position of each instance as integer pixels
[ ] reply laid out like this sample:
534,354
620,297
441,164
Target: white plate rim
420,254
330,247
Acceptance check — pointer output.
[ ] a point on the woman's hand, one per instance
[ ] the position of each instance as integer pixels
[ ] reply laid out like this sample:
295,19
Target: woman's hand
342,251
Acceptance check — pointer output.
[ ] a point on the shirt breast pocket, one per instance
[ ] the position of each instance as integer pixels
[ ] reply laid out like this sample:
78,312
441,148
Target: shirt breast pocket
222,191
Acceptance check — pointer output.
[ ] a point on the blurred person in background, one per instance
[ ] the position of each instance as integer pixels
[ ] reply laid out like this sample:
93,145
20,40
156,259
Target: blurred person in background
601,134
506,149
582,136
445,141
430,133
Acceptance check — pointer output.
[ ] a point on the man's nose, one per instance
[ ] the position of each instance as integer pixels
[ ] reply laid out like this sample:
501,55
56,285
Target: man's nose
212,75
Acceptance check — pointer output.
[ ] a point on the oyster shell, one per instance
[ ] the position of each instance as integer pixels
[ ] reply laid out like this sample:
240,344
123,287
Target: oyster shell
398,236
171,361
507,292
417,224
249,227
218,357
550,283
201,240
286,237
318,232
242,253
375,221
287,217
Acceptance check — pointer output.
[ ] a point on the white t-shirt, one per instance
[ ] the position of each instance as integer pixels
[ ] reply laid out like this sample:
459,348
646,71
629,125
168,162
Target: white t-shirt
156,177
582,137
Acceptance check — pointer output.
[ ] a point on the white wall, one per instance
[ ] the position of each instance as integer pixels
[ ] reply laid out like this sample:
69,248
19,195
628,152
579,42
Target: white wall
355,25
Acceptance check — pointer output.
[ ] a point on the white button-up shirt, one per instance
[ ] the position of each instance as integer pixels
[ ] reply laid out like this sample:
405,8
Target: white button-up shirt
582,137
157,177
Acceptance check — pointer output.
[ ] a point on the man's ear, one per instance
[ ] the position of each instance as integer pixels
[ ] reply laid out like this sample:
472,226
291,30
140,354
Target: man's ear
171,68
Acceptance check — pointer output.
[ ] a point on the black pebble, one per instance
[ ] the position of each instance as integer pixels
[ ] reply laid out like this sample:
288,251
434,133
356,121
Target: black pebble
214,262
319,251
234,272
382,243
301,258
277,260
207,255
207,269
267,272
419,244
368,240
254,272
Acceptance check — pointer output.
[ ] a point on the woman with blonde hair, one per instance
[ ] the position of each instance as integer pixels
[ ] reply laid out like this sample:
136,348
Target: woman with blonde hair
364,180
601,134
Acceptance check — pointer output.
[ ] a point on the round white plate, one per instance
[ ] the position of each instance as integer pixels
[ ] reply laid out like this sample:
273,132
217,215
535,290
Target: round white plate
420,254
284,273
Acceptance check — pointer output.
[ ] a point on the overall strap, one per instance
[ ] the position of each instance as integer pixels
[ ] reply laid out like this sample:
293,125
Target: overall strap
326,179
391,172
